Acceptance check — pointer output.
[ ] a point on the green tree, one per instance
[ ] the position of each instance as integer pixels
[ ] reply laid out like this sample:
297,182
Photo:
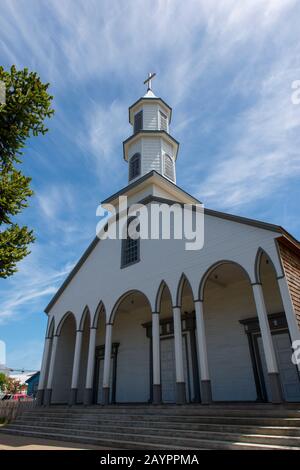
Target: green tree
13,385
22,115
3,381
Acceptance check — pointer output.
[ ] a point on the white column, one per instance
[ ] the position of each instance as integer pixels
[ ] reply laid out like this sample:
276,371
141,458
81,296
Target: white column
52,362
178,345
91,358
46,351
107,363
76,367
201,339
289,309
156,389
156,348
76,363
265,329
273,374
206,393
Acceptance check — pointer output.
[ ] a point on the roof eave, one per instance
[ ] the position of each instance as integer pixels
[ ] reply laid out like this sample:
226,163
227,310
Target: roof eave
144,178
244,220
289,240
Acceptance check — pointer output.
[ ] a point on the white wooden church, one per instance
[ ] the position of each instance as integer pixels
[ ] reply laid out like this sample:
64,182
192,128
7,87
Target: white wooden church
147,321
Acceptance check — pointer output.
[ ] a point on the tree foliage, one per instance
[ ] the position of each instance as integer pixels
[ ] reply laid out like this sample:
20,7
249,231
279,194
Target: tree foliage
3,381
27,105
13,385
10,384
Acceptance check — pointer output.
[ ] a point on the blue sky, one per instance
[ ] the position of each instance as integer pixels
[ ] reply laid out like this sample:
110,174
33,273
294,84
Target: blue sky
225,67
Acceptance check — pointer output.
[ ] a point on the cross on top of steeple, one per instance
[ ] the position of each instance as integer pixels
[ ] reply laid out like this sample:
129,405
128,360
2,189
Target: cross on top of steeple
148,80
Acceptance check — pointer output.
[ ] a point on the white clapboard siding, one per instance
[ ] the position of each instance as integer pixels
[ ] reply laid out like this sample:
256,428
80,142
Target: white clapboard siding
135,148
150,117
151,155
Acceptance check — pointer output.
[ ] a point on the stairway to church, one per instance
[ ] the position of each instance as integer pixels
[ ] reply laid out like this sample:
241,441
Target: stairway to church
164,427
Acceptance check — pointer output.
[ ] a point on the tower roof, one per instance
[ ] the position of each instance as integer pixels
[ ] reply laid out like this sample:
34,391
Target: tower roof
149,94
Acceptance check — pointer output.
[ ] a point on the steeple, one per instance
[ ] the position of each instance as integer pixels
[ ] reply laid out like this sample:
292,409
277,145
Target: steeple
150,147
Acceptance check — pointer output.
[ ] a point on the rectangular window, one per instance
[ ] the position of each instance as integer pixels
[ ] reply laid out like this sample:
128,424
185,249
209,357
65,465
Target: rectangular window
138,121
134,166
163,122
130,250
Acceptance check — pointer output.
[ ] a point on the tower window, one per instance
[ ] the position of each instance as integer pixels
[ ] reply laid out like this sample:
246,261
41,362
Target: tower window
163,121
130,246
134,166
169,167
138,121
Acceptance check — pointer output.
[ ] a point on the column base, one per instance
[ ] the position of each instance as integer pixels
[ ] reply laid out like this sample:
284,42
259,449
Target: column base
275,386
47,396
206,395
39,397
88,396
105,395
156,394
180,393
73,396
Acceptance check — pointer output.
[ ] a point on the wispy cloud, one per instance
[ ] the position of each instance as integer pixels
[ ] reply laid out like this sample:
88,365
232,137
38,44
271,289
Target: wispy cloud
29,287
101,138
262,154
56,200
10,306
85,40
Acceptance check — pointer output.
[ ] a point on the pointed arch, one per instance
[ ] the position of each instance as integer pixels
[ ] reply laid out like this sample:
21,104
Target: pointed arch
257,264
163,285
99,310
209,271
123,297
85,314
62,321
182,282
51,327
64,358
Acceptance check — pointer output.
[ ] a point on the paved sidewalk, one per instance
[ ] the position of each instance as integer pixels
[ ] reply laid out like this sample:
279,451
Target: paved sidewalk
9,442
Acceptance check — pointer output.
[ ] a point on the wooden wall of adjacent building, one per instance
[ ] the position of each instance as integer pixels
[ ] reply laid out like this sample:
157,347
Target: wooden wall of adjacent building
291,265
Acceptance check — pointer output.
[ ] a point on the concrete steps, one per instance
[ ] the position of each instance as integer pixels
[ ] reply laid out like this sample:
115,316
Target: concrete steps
186,410
165,429
162,424
188,427
102,415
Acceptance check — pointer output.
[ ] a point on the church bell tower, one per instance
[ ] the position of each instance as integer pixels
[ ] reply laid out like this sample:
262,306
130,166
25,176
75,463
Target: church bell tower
150,147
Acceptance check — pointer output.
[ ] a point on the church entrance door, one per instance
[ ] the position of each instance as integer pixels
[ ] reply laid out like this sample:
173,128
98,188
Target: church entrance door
99,398
98,377
288,372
